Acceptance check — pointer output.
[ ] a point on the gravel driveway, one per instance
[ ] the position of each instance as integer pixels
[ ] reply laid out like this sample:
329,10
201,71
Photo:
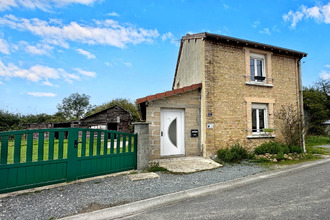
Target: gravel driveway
111,191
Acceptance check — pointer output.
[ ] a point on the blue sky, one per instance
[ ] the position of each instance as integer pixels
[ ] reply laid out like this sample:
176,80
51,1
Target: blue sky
128,48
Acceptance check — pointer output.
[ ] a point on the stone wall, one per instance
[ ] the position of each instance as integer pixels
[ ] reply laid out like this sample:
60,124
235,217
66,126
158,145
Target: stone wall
190,102
227,98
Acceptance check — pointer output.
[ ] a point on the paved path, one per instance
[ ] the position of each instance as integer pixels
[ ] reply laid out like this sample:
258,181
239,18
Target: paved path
300,191
102,193
302,194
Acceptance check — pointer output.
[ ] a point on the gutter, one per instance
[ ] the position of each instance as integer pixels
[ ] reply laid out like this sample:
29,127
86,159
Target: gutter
301,105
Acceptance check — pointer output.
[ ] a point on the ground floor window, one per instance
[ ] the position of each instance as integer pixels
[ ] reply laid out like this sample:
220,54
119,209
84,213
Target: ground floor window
259,118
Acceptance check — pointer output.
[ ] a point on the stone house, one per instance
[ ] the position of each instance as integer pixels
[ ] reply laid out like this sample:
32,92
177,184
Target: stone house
114,118
225,91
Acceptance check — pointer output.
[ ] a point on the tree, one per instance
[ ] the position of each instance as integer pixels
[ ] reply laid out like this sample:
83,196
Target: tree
317,106
291,129
75,106
39,118
9,121
124,103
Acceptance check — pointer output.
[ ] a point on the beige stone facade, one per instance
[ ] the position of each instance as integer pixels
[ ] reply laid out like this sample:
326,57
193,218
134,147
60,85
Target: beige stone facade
229,92
188,101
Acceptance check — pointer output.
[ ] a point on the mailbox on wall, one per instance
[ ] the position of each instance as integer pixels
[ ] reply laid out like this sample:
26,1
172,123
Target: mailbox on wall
193,133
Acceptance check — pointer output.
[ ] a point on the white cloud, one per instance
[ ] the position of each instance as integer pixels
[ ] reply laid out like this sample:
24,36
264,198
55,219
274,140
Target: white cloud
276,29
42,94
118,61
88,54
107,32
319,13
128,64
225,6
114,14
265,31
36,73
39,49
1,83
325,75
170,36
7,4
47,83
44,5
328,65
167,35
85,73
256,24
4,47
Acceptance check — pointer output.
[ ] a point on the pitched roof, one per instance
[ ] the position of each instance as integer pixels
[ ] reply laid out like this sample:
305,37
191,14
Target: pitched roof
169,93
245,43
104,110
238,42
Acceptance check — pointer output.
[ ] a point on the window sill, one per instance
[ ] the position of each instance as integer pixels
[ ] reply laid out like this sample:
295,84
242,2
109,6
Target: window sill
258,84
260,136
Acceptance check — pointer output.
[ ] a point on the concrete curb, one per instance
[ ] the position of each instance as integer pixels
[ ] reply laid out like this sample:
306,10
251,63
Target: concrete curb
144,205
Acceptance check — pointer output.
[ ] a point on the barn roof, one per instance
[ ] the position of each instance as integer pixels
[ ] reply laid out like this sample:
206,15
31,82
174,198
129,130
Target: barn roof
104,110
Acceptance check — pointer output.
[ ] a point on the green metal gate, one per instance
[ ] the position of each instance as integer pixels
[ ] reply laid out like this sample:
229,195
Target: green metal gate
31,158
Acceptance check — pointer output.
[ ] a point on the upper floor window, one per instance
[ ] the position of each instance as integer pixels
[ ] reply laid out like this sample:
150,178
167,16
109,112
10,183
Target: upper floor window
257,67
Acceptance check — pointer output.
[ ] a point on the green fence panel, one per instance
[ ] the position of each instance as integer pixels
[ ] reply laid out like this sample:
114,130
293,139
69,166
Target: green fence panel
83,144
118,144
29,147
105,143
124,143
4,149
50,161
41,146
51,146
112,143
17,148
91,143
98,143
60,145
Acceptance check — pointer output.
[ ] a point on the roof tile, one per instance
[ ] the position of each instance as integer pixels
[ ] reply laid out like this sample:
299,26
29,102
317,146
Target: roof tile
169,93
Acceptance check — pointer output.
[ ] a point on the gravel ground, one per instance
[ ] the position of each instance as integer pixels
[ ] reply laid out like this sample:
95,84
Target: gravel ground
102,193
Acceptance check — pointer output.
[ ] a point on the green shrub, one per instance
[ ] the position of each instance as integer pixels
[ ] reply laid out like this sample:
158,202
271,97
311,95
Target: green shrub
269,147
222,153
251,156
296,149
280,156
234,154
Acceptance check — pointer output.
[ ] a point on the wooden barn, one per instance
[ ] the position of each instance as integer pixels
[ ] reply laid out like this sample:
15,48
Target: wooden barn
114,118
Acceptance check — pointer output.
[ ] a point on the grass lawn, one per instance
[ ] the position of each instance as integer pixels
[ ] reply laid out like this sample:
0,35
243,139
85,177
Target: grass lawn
313,141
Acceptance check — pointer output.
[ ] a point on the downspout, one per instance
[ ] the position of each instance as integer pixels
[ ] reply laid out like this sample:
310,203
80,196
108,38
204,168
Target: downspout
301,106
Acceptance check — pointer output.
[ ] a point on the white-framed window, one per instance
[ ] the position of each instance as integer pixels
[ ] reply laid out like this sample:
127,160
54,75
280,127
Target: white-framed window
102,127
257,67
259,118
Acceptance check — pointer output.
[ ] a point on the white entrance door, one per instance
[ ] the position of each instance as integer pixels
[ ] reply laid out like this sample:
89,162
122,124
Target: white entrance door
172,132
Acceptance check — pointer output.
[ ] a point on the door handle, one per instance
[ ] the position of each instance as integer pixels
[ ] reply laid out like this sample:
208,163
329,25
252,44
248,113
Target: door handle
161,134
76,143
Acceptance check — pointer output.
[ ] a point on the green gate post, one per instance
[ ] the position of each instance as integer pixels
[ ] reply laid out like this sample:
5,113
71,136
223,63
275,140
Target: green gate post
72,169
